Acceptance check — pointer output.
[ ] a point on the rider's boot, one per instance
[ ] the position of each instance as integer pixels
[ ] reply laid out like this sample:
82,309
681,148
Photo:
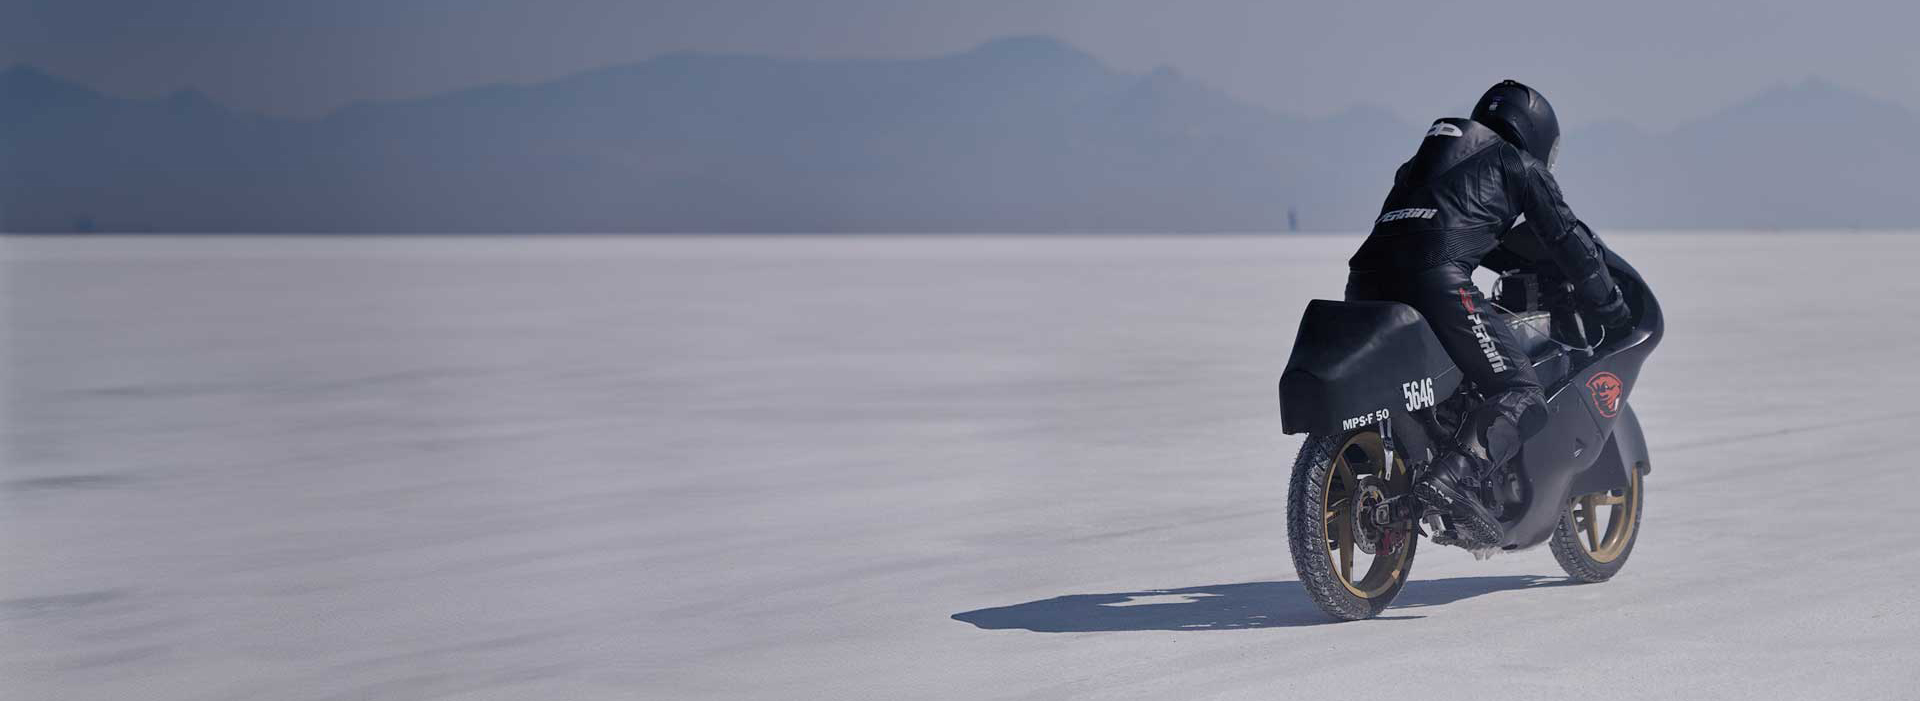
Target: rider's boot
1452,484
1492,435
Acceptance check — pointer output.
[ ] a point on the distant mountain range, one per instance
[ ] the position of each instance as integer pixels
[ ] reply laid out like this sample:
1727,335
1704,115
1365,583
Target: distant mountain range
1021,134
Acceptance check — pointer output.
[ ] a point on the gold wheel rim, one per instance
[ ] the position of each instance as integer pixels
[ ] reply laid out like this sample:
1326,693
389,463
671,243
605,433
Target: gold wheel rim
1336,505
1603,522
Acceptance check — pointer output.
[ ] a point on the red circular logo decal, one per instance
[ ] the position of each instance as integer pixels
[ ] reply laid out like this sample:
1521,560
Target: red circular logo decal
1606,389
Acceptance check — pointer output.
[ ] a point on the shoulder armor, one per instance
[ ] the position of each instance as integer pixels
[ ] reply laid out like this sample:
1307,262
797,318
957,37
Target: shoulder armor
1449,142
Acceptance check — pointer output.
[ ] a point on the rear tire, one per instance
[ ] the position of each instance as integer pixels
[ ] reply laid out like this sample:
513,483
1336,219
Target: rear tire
1320,534
1597,531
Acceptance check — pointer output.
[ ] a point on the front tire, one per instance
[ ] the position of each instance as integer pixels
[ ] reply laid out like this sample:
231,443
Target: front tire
1328,473
1597,531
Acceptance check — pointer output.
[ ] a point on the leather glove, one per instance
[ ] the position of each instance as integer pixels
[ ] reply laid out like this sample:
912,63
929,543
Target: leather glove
1614,314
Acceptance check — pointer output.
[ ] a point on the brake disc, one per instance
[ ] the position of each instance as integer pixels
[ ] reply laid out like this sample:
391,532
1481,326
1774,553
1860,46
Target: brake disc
1368,531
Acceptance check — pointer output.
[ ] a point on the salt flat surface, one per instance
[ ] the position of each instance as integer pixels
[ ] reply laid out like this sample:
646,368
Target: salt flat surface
873,468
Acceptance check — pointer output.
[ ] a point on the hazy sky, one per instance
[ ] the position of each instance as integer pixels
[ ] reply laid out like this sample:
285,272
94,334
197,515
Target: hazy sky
1652,63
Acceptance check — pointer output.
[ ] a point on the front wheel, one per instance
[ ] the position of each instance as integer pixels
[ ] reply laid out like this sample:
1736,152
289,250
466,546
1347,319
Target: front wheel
1597,532
1351,567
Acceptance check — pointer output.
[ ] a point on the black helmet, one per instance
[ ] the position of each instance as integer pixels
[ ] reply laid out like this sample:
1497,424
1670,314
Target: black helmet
1521,116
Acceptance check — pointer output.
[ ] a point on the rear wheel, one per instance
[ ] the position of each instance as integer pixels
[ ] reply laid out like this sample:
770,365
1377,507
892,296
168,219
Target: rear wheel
1597,532
1351,566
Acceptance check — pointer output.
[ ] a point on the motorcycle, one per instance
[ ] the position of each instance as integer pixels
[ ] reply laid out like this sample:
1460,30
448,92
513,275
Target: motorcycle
1378,399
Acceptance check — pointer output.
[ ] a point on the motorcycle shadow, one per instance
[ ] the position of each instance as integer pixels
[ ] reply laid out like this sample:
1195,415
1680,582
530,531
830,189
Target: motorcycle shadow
1219,606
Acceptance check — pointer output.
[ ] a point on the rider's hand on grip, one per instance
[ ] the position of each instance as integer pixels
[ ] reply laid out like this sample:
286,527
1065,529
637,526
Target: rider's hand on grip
1614,315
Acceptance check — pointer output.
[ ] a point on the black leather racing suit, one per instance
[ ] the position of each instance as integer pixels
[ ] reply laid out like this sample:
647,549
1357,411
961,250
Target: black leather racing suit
1451,204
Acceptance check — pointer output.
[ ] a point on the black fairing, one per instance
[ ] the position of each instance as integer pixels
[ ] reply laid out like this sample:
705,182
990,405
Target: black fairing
1354,359
1589,444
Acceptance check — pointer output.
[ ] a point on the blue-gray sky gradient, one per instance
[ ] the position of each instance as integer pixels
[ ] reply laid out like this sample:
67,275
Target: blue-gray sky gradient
1651,63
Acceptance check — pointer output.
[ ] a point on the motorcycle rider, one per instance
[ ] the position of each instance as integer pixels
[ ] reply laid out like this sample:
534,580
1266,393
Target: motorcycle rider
1469,184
